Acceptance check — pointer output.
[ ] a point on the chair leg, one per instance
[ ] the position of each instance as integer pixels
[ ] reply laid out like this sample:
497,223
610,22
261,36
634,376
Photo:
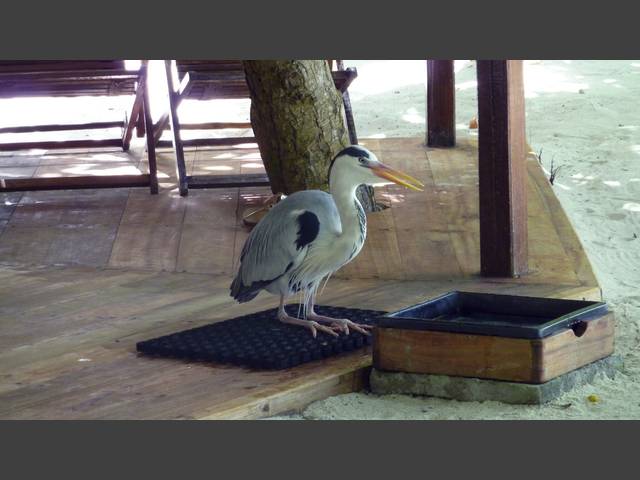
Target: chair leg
348,112
136,111
181,169
151,146
140,127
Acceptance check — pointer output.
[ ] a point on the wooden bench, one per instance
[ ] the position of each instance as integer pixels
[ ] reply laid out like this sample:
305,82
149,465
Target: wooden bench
50,78
222,79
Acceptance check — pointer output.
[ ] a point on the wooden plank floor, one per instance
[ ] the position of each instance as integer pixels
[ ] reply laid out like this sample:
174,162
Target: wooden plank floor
424,235
87,274
436,233
68,335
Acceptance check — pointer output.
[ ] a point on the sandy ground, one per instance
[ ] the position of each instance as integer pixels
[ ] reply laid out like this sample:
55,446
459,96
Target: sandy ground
584,116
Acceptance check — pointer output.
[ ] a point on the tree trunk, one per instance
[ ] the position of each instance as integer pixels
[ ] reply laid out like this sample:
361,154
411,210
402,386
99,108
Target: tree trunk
298,120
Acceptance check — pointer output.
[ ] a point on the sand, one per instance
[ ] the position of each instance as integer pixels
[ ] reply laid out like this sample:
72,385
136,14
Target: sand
584,116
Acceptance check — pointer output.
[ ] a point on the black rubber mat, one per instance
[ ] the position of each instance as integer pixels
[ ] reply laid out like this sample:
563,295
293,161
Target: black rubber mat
259,340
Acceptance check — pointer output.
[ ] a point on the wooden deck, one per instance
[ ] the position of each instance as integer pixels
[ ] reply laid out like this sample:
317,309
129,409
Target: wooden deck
87,274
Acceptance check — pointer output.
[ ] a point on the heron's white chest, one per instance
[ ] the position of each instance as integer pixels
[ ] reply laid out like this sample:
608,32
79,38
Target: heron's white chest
354,232
336,245
360,232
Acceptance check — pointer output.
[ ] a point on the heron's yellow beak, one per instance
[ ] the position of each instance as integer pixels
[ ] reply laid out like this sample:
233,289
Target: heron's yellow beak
396,176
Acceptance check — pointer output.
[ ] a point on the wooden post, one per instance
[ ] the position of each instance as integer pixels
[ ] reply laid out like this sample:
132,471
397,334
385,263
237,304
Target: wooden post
63,127
140,127
441,109
145,114
502,168
348,110
178,147
136,110
163,121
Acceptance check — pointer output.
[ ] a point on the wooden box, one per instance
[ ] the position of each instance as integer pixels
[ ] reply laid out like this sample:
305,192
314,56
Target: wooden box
500,337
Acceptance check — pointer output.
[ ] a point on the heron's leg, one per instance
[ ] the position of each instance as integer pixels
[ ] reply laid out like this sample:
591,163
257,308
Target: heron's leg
336,323
284,317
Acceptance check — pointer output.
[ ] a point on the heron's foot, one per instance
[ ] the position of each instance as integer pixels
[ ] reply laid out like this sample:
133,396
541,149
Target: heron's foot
340,324
310,324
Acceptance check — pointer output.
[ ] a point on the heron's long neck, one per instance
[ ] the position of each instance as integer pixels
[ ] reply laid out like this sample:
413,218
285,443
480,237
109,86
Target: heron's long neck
344,194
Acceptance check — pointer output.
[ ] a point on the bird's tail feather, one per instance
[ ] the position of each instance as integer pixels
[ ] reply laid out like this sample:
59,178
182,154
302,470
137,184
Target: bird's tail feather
243,293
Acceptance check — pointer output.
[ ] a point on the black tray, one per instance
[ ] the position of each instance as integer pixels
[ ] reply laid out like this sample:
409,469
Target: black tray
497,315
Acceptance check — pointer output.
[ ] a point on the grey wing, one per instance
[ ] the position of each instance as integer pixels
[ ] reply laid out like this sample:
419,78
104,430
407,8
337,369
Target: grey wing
276,245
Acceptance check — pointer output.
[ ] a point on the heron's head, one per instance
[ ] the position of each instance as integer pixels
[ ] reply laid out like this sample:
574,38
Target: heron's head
355,165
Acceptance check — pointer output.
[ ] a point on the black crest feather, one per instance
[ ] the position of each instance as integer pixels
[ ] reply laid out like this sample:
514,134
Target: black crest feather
352,150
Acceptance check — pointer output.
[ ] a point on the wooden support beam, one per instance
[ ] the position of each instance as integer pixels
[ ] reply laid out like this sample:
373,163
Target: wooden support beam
441,110
69,183
49,68
163,121
502,168
208,142
348,115
228,181
160,126
174,99
212,125
343,78
136,109
151,146
109,142
133,121
219,77
67,87
28,75
140,127
62,128
342,86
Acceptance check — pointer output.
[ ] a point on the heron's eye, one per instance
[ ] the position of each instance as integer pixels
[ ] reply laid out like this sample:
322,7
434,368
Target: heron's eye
362,160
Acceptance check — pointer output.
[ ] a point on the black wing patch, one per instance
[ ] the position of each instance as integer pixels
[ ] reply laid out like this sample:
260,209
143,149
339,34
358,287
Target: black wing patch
309,226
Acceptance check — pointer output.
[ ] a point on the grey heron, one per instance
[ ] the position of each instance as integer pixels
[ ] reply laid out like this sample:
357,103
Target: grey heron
309,235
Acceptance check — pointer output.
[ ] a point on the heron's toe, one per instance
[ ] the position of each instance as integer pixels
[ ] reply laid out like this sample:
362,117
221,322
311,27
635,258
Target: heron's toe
359,327
314,326
344,324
